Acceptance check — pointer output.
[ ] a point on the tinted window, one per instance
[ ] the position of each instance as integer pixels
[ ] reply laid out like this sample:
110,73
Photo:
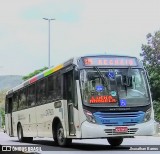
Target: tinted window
51,89
15,101
58,86
54,87
70,92
31,95
22,99
41,92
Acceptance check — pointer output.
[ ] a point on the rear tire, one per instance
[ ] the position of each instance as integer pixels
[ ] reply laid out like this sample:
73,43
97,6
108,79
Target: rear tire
60,138
115,141
20,135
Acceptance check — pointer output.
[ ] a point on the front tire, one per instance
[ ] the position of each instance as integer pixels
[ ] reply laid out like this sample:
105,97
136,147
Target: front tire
60,138
115,141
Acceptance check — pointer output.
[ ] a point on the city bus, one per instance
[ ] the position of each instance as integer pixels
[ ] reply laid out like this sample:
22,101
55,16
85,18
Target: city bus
89,97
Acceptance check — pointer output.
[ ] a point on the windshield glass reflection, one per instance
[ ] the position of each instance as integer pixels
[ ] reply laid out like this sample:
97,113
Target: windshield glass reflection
114,87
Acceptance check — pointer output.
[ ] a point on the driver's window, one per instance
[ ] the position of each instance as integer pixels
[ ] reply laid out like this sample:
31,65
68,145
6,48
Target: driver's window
138,83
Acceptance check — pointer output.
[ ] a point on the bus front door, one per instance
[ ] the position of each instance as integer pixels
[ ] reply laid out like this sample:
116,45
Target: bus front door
70,97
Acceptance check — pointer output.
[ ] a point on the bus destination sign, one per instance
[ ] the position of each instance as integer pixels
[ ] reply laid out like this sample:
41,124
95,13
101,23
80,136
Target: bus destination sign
109,61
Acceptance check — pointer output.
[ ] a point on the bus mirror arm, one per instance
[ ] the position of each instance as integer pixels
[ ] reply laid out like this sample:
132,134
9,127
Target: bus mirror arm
76,75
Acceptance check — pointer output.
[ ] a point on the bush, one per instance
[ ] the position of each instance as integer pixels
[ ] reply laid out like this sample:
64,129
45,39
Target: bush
156,107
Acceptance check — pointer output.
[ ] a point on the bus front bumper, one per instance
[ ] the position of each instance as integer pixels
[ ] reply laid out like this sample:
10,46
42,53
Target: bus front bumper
90,130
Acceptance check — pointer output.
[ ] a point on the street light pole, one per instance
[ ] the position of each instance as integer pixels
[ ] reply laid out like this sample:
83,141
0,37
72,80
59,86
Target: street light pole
48,39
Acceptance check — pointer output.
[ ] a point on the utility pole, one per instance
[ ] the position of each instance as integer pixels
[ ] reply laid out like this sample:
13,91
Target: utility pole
49,19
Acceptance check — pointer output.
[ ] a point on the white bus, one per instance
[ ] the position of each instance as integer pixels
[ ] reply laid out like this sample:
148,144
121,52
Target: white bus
90,97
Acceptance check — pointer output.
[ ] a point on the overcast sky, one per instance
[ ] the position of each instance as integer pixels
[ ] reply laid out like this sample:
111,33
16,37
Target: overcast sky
81,27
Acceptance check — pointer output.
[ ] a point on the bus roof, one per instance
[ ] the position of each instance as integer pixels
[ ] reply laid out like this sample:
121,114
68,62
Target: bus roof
54,69
41,75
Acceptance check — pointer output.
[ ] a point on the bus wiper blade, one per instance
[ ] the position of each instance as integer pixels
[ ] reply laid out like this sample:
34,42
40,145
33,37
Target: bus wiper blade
127,80
102,77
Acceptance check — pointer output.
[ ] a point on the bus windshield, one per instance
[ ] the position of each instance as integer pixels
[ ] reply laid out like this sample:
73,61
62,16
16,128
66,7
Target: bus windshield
124,87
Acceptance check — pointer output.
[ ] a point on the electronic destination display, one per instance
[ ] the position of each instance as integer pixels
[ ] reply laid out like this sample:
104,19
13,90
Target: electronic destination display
110,61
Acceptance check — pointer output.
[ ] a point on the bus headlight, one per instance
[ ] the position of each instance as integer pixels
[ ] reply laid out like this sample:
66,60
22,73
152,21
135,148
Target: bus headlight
89,116
147,115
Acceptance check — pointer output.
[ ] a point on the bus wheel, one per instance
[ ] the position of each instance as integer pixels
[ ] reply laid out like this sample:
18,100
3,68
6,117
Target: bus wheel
115,141
20,133
61,140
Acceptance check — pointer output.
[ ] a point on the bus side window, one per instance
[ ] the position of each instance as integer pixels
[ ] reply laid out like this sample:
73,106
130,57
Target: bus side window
50,88
69,89
6,104
22,99
41,91
31,95
58,86
15,101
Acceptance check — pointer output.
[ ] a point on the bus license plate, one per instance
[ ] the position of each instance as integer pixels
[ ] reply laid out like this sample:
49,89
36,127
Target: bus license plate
121,129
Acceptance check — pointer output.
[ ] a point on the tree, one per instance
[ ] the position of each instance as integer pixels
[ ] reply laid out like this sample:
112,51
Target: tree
2,112
34,73
151,60
2,104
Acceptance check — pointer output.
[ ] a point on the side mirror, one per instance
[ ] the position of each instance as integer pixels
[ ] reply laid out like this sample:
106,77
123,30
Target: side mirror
92,76
76,75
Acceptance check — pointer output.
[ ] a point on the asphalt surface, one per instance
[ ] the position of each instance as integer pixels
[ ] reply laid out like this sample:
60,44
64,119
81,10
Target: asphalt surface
145,144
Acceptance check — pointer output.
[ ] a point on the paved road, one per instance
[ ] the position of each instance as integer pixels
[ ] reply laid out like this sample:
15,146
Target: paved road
87,146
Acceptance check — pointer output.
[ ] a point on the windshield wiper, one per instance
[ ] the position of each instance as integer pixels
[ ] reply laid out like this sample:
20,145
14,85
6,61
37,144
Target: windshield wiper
127,80
102,77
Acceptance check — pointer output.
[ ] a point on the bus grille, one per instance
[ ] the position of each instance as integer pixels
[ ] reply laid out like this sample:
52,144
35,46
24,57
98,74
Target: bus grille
119,119
131,131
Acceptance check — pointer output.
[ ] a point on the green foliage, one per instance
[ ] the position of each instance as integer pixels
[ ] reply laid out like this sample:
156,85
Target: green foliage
2,112
2,104
157,110
2,97
34,73
151,60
